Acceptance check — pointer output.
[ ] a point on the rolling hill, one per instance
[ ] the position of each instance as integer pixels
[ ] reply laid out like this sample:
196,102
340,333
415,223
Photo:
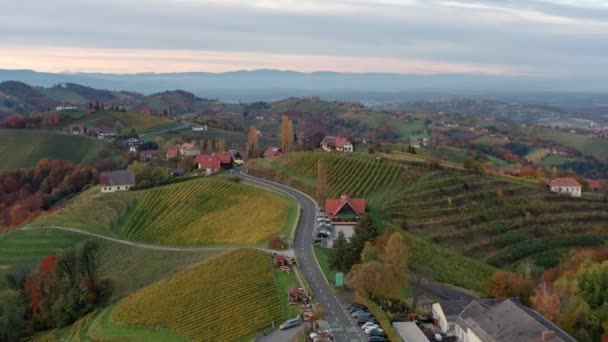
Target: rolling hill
204,211
23,148
498,220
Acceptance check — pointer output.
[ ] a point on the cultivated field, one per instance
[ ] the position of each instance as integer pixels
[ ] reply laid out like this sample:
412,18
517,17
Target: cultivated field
108,120
23,148
355,174
228,297
204,211
497,220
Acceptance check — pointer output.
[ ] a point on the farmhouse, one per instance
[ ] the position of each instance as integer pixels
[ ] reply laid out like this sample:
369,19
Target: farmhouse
568,186
494,320
149,155
134,144
340,144
344,213
189,149
113,181
208,163
172,153
272,152
77,129
595,185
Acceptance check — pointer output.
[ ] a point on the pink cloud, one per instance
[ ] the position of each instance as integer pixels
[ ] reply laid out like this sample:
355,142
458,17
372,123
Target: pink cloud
58,59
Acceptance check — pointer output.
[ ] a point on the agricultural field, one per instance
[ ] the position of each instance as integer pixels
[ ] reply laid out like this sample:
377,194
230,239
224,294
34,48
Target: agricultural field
108,120
596,147
365,173
204,211
129,267
228,297
536,154
500,221
23,148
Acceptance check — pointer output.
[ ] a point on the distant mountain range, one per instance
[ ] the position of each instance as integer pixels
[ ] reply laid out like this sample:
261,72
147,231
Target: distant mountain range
269,85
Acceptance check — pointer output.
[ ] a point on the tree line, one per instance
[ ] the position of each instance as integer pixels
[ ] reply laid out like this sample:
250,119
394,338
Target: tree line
25,193
56,292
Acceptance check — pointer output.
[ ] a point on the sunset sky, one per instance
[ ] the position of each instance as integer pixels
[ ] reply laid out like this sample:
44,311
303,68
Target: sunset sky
544,38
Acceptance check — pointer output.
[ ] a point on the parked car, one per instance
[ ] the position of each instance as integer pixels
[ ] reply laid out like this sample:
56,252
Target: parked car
356,306
290,323
377,339
356,313
364,319
370,325
374,330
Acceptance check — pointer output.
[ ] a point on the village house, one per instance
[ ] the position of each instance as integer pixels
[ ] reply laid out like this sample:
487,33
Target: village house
595,185
344,213
149,155
189,149
133,144
172,153
77,129
568,186
340,144
494,320
272,152
113,181
213,162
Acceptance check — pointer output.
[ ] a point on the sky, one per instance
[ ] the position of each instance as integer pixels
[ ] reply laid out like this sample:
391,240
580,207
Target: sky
538,38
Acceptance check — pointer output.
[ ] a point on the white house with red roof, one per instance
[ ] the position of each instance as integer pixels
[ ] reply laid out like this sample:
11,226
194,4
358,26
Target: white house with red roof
340,144
568,186
189,149
172,153
344,213
213,162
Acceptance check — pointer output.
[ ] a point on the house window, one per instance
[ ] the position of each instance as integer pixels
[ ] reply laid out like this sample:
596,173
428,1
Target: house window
118,188
451,328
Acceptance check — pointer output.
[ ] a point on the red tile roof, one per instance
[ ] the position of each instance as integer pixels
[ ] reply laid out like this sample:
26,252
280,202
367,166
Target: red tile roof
333,206
272,151
188,146
595,184
225,157
208,163
564,182
172,152
340,142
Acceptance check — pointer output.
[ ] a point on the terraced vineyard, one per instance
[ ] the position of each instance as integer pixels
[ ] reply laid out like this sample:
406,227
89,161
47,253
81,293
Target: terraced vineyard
355,174
206,211
498,220
228,297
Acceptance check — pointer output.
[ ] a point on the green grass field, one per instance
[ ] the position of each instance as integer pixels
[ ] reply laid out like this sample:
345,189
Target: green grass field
141,123
203,211
129,267
23,148
597,147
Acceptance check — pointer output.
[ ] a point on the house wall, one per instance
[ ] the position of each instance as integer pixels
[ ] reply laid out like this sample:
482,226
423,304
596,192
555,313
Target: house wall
348,147
114,188
348,230
574,191
440,317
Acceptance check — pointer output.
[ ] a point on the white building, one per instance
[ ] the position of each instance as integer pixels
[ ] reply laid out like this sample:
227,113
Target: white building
494,320
409,332
567,186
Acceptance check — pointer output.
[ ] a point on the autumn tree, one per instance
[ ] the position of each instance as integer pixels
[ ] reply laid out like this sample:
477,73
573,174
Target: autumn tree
547,302
370,253
287,134
504,284
321,182
252,143
187,164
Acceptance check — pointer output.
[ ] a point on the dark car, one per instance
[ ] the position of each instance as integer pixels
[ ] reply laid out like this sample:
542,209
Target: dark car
355,306
377,339
376,332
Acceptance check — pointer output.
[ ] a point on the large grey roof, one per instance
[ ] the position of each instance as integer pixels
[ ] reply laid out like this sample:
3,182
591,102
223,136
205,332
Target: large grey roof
507,320
121,177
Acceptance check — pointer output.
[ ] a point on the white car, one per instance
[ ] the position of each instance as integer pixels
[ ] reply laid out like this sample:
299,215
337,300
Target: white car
369,330
370,325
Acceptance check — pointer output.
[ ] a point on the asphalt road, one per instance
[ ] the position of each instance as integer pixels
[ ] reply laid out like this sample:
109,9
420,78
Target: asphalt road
340,323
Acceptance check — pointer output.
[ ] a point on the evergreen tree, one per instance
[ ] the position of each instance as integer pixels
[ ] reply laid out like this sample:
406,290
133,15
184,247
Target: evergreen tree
364,232
339,254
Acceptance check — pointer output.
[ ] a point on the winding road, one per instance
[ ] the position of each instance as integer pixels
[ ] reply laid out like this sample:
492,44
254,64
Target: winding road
340,323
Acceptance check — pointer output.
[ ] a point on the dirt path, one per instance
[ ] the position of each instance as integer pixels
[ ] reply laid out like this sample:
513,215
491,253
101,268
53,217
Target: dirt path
155,247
